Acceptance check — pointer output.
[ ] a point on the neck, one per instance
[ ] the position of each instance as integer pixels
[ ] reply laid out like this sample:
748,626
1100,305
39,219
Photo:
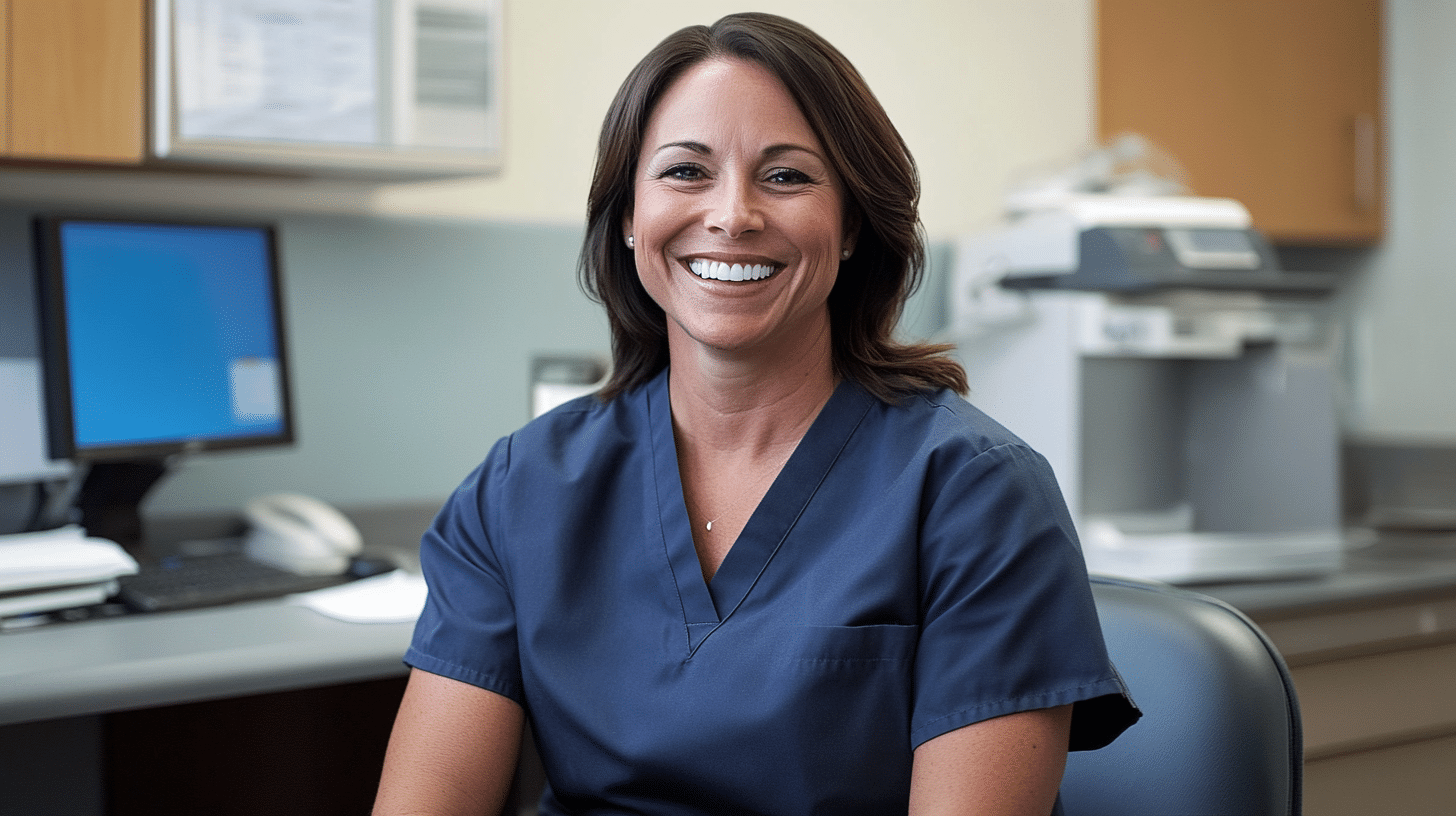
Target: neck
752,407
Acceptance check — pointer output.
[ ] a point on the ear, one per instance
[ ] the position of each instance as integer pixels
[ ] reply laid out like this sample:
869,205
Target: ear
626,225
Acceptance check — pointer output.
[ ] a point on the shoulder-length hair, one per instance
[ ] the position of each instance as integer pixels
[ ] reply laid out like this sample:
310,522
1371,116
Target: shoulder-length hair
882,194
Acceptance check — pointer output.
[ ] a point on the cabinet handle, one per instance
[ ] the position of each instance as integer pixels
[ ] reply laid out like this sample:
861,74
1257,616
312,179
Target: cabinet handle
1366,193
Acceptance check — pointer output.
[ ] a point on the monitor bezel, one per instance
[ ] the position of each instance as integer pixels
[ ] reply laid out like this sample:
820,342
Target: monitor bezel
55,347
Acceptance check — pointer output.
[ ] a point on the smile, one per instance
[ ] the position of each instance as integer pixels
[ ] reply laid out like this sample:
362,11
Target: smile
715,270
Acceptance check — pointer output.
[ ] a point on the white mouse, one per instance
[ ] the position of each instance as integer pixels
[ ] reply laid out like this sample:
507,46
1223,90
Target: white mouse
300,534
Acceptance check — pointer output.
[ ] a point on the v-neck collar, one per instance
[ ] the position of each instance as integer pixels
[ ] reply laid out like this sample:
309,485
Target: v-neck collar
706,605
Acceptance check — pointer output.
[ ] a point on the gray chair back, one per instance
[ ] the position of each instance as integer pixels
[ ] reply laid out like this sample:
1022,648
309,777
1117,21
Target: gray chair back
1220,733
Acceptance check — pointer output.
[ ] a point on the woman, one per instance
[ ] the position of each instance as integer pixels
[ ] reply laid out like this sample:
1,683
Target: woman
776,565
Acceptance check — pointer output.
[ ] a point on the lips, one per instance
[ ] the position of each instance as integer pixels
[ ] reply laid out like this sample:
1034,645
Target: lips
717,270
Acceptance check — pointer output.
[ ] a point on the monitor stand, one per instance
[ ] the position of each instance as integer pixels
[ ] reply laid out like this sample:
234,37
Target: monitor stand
111,496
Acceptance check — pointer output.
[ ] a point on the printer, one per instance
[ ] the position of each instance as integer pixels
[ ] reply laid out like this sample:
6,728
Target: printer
1180,383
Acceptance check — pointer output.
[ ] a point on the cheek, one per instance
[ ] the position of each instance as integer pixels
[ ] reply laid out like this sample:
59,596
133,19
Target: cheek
651,273
822,239
651,215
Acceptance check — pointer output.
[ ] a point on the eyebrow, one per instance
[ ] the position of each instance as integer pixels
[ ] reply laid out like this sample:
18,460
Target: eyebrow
770,152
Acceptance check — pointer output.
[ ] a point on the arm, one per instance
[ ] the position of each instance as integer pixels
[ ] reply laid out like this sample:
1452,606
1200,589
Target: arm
452,752
1006,766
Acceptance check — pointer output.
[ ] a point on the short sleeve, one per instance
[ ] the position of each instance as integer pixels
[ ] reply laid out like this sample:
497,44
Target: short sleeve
467,630
1009,622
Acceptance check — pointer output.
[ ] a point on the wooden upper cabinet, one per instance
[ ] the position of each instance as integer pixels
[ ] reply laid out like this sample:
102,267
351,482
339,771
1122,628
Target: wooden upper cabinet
1275,103
76,80
4,77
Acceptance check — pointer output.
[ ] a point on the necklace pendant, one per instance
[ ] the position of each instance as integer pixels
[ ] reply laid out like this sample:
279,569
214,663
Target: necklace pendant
709,526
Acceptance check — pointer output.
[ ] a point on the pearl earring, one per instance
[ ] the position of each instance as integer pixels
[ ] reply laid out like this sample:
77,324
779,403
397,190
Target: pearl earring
844,255
631,242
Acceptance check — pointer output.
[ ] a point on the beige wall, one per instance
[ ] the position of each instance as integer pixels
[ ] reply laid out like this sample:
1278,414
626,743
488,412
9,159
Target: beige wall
981,89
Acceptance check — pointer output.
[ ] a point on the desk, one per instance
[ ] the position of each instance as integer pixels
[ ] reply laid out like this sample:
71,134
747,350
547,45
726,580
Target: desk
59,683
138,661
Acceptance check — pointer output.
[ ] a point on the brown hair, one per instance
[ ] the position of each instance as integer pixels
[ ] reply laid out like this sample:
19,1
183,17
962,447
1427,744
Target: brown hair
882,192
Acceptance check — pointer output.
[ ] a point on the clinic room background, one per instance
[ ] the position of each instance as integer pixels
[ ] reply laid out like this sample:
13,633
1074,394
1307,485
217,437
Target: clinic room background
415,308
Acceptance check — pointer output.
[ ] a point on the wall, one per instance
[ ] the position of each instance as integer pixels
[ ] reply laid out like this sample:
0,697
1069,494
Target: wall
1403,294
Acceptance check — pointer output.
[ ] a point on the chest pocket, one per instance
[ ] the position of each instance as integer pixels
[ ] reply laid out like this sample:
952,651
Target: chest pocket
855,688
853,648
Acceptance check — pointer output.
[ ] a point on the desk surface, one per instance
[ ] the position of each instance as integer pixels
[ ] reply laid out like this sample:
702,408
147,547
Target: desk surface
139,661
1395,568
136,661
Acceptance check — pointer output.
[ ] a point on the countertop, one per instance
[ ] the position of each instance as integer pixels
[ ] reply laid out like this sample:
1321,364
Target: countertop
143,660
1393,568
1397,592
136,661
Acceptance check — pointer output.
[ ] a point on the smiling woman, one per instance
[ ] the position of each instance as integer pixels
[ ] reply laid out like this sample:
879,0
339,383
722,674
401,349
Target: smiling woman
730,177
859,152
776,565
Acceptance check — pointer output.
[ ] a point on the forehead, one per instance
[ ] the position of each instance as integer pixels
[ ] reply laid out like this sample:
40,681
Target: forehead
727,95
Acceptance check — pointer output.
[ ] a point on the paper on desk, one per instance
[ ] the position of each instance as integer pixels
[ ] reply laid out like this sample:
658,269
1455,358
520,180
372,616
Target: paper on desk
62,557
393,598
48,600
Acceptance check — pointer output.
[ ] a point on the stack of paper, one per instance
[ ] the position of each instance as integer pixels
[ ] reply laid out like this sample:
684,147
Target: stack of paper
57,569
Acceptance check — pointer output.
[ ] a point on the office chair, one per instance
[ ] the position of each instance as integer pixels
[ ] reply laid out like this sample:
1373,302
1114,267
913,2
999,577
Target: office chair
1220,733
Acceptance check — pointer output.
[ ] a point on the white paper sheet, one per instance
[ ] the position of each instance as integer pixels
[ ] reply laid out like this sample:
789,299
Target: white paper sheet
396,597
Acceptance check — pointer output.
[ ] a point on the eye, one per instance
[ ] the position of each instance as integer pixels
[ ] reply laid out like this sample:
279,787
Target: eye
788,175
684,172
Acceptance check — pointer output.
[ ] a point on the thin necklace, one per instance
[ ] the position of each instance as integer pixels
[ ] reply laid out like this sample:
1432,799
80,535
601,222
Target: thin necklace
756,485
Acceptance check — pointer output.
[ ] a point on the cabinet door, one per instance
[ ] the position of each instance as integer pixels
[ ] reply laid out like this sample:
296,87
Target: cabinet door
1380,729
4,77
1275,103
77,73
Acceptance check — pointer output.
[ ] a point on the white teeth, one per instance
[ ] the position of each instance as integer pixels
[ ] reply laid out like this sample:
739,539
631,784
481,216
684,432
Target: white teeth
713,270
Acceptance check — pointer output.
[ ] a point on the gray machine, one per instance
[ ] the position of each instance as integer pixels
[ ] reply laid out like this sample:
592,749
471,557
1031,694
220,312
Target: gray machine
1179,382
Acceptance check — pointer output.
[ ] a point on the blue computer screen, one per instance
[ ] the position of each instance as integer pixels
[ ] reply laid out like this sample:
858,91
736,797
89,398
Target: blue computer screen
171,333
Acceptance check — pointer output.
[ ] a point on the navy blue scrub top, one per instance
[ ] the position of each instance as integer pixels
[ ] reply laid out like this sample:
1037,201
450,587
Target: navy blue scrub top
913,569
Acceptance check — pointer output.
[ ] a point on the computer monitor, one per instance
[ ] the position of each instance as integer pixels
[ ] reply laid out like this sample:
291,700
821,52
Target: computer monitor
158,339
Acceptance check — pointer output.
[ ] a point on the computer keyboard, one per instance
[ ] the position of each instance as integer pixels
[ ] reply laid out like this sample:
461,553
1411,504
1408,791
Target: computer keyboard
193,581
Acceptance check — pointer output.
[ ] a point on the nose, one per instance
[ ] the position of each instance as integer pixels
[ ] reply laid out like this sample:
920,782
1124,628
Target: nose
733,208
